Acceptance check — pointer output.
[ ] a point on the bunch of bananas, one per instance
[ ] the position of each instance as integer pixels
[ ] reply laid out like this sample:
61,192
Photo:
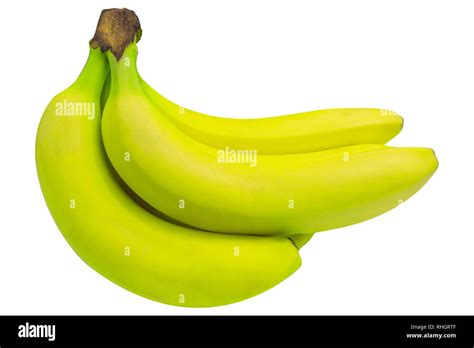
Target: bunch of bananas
195,210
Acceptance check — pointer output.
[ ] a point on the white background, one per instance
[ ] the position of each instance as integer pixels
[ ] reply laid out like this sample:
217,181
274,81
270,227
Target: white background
260,58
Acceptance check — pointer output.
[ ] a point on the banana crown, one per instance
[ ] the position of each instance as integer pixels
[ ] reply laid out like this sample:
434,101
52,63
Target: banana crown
116,29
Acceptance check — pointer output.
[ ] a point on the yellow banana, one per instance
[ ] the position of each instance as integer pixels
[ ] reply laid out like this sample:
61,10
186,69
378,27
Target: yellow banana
122,241
229,191
302,132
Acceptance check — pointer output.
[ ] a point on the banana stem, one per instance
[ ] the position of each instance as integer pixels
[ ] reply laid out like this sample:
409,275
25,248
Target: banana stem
117,28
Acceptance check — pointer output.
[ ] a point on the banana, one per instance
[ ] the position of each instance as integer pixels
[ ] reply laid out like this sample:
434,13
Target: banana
122,241
302,132
245,192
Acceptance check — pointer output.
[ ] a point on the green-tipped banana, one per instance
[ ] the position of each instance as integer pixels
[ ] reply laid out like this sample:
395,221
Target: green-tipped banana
115,236
245,192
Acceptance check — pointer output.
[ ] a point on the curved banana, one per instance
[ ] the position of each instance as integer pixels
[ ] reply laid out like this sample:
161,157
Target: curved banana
233,192
302,132
123,242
